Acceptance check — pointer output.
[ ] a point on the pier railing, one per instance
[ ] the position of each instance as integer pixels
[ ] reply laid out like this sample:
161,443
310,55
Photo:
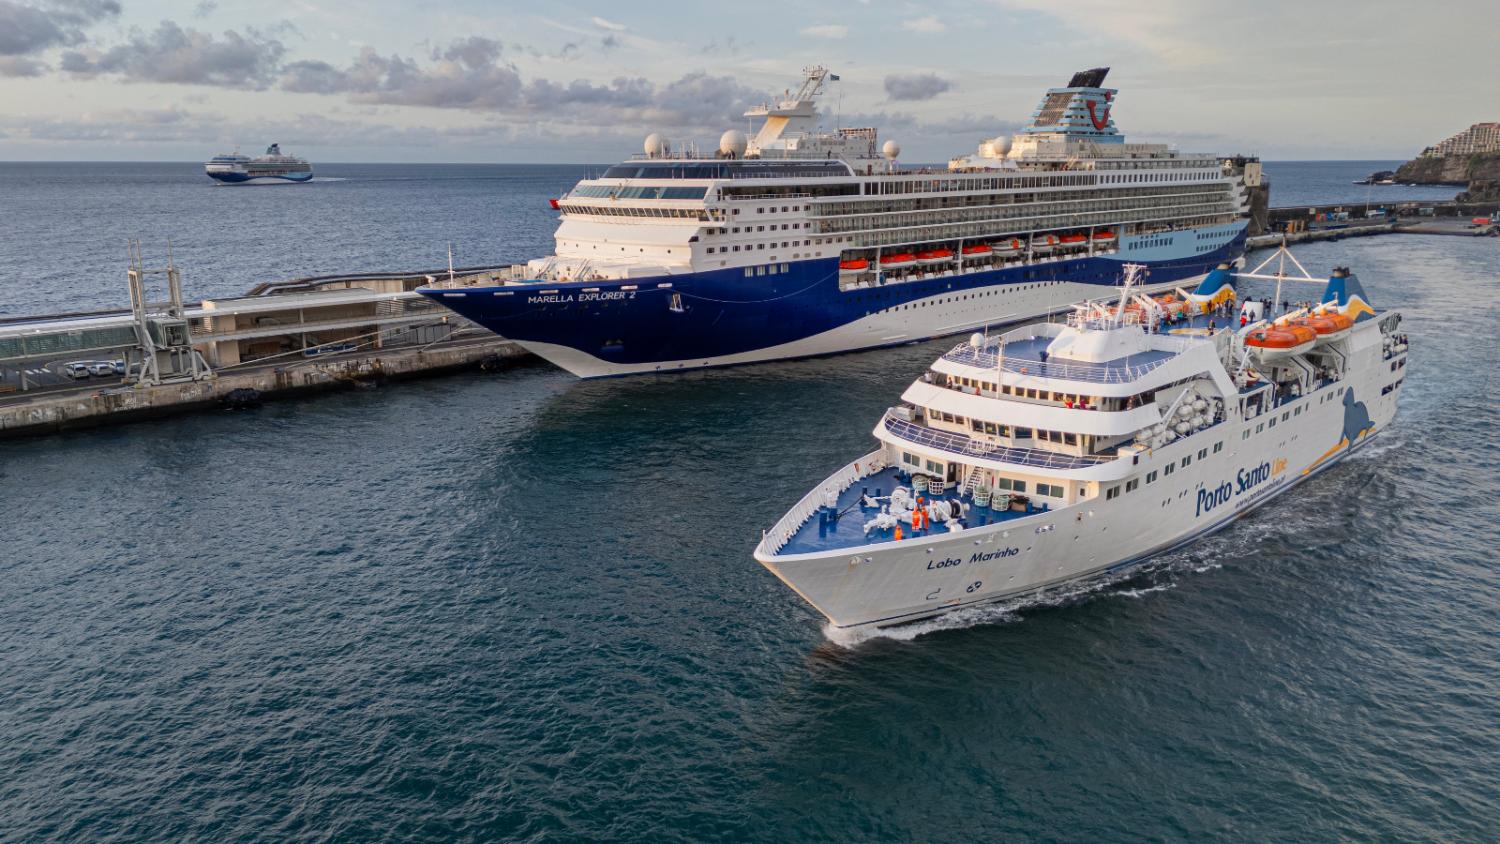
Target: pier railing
782,532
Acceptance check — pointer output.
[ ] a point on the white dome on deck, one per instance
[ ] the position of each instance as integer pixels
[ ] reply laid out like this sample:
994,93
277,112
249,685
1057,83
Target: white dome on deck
656,145
890,150
733,143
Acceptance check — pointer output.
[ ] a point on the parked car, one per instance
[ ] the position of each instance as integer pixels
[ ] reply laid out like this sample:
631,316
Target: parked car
76,370
102,368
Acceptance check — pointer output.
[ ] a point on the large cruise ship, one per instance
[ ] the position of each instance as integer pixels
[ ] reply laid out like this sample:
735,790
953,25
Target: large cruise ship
1058,452
275,167
799,241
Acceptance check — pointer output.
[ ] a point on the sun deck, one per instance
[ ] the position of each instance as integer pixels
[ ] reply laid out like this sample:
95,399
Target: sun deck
848,530
1026,356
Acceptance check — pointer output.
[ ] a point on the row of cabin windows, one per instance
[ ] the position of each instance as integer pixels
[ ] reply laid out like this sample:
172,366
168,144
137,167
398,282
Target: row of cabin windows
1152,475
995,429
916,462
786,244
749,229
767,269
963,297
950,185
1078,400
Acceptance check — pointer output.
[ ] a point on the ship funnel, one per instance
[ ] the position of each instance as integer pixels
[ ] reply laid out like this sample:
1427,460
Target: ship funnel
1345,292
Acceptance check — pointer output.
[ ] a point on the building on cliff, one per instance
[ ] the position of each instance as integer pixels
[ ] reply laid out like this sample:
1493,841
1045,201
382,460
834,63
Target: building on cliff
1476,140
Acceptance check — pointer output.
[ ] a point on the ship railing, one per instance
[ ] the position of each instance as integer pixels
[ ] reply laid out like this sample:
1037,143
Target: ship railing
1094,373
964,446
782,532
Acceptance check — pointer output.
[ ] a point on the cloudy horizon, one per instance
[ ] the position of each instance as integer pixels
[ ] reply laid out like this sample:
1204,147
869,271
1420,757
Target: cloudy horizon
584,82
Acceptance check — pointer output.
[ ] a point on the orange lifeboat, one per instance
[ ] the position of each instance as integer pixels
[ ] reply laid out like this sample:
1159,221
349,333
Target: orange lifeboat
854,265
1008,247
1074,239
1276,342
1044,243
935,256
897,260
1330,327
1105,236
978,250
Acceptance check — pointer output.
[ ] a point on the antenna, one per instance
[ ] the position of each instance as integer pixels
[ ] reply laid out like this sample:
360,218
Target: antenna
450,262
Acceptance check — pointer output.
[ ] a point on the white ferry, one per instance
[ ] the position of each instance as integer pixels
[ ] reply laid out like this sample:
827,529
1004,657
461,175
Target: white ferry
275,167
1059,452
800,241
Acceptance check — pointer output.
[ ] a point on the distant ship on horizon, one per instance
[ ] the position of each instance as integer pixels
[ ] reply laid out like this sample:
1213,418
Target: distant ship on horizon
271,168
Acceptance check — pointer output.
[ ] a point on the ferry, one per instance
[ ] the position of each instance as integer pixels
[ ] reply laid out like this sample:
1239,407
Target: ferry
1061,452
275,167
800,241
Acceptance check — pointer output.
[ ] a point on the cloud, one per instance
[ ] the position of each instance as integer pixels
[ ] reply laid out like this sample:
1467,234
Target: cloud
468,74
473,74
205,8
610,41
826,30
927,24
609,25
186,56
915,86
30,28
21,66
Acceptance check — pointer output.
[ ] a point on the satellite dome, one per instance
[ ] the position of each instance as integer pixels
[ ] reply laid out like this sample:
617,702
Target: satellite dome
891,150
1002,144
656,145
733,143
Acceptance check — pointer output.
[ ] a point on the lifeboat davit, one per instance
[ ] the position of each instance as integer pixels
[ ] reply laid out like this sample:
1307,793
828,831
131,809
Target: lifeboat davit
935,256
854,265
897,260
1330,327
978,250
1044,243
1008,247
1277,342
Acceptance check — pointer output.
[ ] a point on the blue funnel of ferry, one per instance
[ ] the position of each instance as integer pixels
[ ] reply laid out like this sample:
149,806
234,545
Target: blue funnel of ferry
1217,287
1346,293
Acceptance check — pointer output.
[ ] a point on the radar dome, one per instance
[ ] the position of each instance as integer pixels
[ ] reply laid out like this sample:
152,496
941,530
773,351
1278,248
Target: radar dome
1002,145
891,150
733,143
656,145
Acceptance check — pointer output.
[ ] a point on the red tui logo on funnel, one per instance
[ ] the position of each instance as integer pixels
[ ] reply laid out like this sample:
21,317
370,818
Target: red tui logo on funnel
1099,121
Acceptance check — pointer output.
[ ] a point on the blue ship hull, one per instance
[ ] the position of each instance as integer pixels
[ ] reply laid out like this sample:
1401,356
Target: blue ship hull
245,178
720,317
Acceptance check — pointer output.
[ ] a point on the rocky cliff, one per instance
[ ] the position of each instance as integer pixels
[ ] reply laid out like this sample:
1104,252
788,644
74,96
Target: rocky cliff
1450,170
1480,191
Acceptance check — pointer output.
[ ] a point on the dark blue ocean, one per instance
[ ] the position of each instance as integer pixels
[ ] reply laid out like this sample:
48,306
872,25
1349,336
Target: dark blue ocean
516,606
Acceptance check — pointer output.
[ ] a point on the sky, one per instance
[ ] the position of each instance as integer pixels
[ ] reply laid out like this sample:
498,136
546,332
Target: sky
585,82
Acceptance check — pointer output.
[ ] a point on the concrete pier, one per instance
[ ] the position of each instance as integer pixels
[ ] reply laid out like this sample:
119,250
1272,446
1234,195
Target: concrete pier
84,407
286,338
